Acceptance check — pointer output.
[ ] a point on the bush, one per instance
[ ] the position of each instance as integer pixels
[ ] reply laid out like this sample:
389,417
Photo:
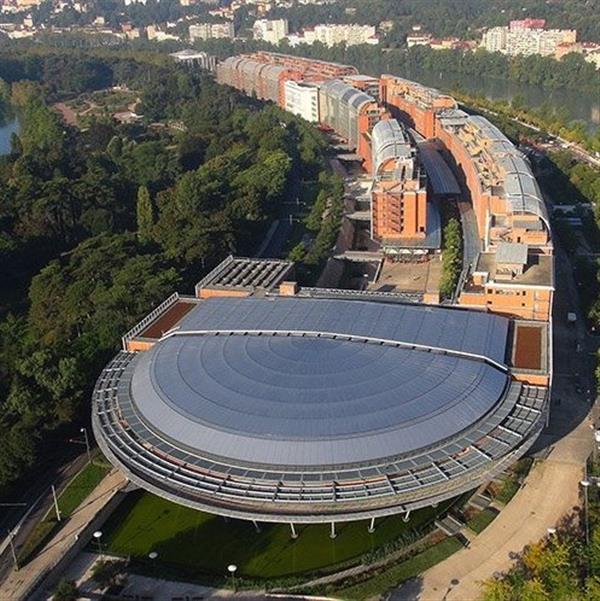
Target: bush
451,258
66,591
108,572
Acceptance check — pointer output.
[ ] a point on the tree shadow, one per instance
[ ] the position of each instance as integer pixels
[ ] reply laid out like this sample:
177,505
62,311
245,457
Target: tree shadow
411,590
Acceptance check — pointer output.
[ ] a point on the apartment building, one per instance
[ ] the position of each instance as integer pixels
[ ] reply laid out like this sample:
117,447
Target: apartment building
332,34
399,192
302,99
271,31
206,31
523,39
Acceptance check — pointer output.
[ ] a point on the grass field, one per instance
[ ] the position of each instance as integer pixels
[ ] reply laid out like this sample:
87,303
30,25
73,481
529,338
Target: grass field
481,520
395,575
196,542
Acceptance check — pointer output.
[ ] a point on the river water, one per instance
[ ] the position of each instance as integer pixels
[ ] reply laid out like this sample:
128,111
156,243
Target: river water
7,128
575,105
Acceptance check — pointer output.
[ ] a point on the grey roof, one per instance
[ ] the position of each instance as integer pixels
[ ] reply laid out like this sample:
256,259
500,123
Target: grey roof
480,334
511,253
278,381
488,130
389,140
305,494
440,176
346,94
453,117
520,187
312,61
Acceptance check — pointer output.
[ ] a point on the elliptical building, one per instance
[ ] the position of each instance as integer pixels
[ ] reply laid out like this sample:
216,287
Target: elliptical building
260,400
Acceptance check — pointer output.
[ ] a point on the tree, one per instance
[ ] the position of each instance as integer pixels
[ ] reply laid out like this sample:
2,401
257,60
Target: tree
145,215
66,591
17,450
451,257
497,590
297,253
108,572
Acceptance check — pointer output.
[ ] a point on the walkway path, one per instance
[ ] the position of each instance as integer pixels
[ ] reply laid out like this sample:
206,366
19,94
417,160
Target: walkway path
18,584
550,492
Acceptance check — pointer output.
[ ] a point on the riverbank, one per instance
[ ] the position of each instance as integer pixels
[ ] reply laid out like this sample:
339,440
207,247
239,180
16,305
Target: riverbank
519,121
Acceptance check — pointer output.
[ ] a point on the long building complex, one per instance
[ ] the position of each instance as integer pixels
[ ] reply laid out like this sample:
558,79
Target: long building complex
262,400
473,159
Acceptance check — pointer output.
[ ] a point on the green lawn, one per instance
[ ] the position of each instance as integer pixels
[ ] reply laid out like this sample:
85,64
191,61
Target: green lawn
395,575
69,499
197,543
507,491
482,519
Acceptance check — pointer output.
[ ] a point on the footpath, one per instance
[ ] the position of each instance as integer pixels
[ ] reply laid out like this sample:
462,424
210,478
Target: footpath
69,540
550,492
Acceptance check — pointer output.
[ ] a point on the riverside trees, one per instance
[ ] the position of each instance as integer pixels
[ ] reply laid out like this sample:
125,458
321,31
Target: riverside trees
94,233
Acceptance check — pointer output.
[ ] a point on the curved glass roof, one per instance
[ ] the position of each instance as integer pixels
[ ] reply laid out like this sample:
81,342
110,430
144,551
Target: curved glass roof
521,190
346,94
388,141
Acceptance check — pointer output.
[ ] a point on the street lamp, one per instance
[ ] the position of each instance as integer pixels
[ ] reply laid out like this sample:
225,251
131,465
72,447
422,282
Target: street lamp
231,568
87,443
12,550
586,485
152,556
98,535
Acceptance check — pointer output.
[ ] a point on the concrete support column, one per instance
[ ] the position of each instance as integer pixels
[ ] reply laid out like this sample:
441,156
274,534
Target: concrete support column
294,533
406,516
332,533
256,526
371,527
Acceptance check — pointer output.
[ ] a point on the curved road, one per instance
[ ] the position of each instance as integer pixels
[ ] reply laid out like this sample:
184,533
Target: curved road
568,442
523,521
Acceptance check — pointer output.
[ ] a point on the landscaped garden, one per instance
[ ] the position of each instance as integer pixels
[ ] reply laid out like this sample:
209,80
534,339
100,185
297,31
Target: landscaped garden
196,544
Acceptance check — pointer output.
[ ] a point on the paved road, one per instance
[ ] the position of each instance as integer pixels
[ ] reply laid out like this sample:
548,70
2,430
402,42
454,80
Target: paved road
523,521
471,241
17,585
37,493
566,444
80,571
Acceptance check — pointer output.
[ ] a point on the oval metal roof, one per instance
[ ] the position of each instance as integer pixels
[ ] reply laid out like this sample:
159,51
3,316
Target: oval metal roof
319,382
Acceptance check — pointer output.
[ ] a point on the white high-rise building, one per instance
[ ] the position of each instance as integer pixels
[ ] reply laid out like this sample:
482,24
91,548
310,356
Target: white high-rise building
205,31
302,99
270,30
519,40
494,39
351,34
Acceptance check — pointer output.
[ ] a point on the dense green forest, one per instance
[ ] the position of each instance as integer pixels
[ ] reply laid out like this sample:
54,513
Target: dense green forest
99,225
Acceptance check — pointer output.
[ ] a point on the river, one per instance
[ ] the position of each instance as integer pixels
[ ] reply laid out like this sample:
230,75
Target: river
575,105
7,128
